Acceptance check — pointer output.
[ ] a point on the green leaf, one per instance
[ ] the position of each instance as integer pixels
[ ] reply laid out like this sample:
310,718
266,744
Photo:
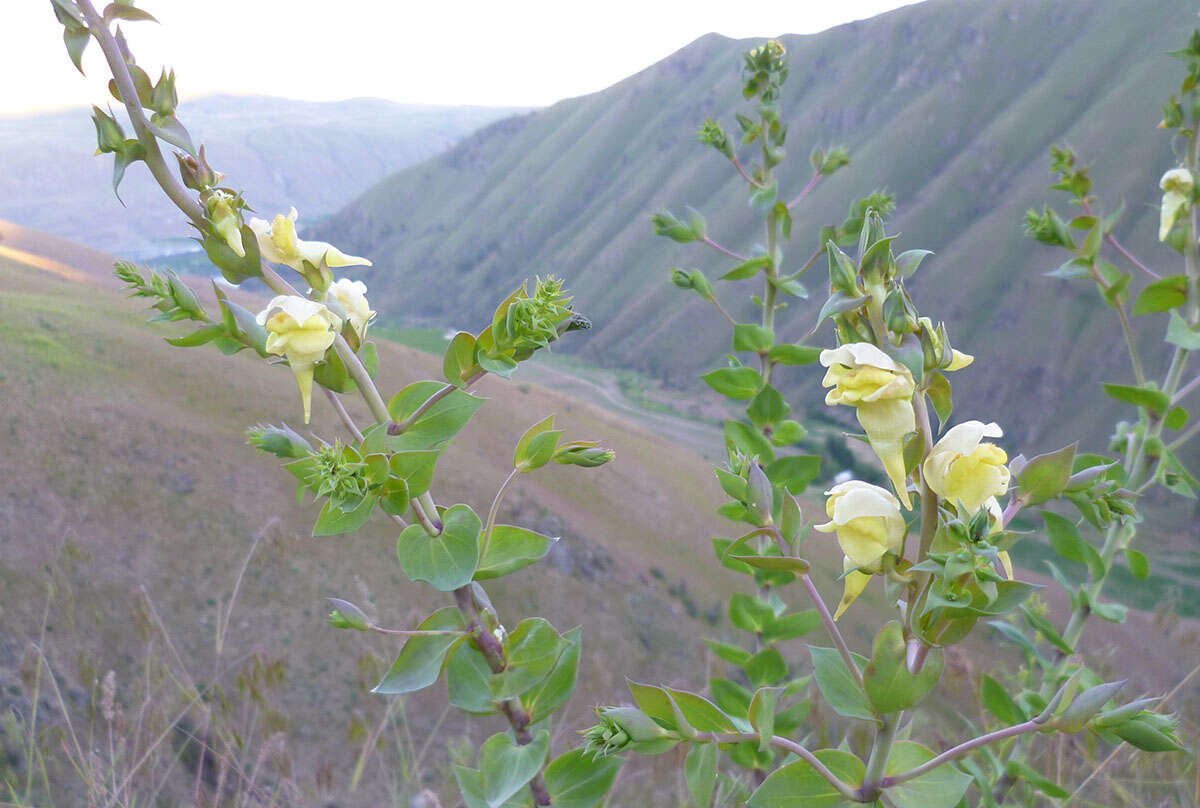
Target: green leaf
767,408
733,654
799,785
459,362
938,388
660,703
415,467
1066,541
510,549
1046,476
789,354
1047,630
794,472
941,788
1177,418
791,626
334,521
536,447
532,651
908,261
468,678
788,433
747,269
1112,612
749,613
448,560
700,771
420,660
997,702
762,714
890,687
554,691
1018,770
838,685
754,338
1162,295
437,425
577,780
1181,334
507,767
748,440
766,667
1139,565
740,383
1156,401
839,303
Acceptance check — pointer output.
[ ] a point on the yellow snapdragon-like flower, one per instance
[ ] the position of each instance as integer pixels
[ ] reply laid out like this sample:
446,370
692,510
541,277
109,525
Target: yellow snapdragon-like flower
881,390
1176,186
300,330
351,296
868,524
962,468
279,244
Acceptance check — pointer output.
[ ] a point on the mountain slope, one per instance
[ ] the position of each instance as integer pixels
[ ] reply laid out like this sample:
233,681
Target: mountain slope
316,156
950,104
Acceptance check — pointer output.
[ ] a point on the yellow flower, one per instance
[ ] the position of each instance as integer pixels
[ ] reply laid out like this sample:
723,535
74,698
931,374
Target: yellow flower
853,585
867,521
278,243
1176,186
301,330
880,389
962,468
351,296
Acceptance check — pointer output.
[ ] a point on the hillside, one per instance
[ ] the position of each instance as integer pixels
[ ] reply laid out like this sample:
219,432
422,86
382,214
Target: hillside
951,104
316,156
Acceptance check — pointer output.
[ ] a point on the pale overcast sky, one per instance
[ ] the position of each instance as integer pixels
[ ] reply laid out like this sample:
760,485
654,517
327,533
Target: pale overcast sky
514,53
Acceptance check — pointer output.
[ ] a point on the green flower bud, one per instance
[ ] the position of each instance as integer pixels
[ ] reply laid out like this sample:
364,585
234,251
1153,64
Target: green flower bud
197,174
225,219
109,135
715,136
1048,228
623,729
585,454
281,441
346,615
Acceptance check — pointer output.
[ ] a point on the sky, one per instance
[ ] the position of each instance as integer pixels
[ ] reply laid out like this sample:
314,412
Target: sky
494,53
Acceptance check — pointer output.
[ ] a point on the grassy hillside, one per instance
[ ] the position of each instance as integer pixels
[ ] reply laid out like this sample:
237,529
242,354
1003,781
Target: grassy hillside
316,156
951,104
126,484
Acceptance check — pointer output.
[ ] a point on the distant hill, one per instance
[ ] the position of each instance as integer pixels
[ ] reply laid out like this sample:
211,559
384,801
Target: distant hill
951,104
316,156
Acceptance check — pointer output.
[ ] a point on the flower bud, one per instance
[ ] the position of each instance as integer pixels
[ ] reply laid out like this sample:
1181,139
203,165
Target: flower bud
583,453
109,135
225,220
962,468
197,174
626,728
1176,186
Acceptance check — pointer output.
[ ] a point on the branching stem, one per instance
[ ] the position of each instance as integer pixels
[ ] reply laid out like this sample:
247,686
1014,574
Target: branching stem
832,628
846,790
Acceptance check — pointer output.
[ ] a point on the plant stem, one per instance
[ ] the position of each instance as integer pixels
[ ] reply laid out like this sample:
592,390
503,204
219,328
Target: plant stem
396,632
799,751
495,509
340,409
738,165
398,428
806,190
493,652
424,518
881,749
955,752
832,628
724,250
